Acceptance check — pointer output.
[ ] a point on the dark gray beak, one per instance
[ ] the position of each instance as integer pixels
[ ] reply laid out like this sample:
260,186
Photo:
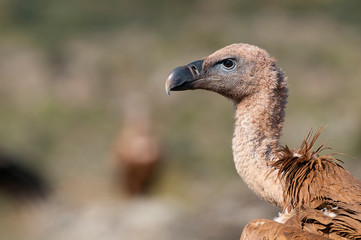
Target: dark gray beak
181,78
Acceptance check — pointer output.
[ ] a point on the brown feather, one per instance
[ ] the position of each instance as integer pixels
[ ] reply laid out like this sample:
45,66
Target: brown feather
270,230
323,196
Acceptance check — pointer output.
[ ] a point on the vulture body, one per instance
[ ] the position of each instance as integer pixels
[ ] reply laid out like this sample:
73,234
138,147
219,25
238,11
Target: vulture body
138,154
138,150
318,197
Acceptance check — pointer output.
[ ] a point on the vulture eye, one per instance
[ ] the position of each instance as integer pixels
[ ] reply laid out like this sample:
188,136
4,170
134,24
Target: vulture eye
228,64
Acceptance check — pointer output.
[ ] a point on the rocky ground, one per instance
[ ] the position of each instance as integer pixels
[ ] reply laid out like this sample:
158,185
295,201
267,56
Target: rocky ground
218,212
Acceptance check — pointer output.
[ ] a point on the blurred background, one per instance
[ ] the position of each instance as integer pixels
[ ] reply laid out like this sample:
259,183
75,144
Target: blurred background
82,86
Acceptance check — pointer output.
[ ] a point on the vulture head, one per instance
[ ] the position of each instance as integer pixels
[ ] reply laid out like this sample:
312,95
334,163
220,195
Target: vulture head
235,71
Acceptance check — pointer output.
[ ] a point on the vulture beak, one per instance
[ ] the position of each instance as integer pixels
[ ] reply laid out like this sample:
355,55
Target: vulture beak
181,78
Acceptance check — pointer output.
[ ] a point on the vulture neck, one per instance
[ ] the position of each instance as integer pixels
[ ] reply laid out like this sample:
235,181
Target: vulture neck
259,121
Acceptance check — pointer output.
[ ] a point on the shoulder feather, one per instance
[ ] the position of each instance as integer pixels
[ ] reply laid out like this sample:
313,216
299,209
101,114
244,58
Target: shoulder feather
325,197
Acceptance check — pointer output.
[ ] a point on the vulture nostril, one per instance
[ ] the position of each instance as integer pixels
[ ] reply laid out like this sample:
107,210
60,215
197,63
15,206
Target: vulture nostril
195,70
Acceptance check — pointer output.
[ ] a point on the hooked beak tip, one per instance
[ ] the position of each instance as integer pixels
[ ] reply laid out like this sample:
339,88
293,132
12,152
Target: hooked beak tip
167,87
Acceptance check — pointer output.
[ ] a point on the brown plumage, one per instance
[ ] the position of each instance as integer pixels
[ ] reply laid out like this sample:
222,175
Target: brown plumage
266,229
138,155
138,150
319,198
324,197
